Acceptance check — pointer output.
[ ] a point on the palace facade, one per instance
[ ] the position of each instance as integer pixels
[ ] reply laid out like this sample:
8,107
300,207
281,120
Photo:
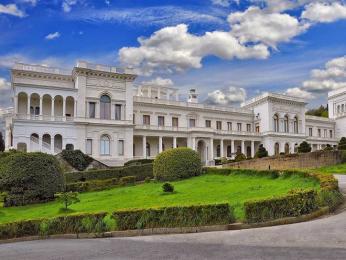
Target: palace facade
97,109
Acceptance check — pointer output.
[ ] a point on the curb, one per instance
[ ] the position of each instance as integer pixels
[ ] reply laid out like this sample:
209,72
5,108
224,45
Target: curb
177,230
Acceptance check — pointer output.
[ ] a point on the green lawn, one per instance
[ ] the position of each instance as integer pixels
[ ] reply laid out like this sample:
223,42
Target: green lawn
233,189
339,169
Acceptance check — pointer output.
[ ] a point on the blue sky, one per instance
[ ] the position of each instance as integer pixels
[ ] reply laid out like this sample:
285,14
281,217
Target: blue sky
229,50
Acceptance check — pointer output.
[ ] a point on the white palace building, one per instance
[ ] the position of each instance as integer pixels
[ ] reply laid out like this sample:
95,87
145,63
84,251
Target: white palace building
98,110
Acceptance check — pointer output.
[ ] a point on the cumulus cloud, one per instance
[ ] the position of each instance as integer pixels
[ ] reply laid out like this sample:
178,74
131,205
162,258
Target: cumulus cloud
258,25
323,12
321,81
52,36
175,49
159,82
224,3
298,92
11,9
228,96
5,93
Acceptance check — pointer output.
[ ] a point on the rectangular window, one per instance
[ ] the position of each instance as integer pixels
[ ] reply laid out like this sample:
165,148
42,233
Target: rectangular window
192,122
121,147
134,118
248,127
175,122
319,132
89,146
117,112
257,128
161,121
92,108
310,131
207,123
331,133
239,127
146,119
229,126
325,133
218,125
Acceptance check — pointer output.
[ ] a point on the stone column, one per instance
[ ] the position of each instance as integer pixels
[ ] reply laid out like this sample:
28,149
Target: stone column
16,110
242,146
75,109
52,144
211,149
252,149
232,146
40,142
174,142
28,109
144,146
194,143
160,144
41,105
221,148
53,107
63,108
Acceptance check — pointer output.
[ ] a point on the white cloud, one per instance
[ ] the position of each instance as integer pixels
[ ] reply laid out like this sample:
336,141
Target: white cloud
156,15
11,9
159,82
228,96
332,77
175,49
258,25
224,3
5,93
297,92
325,13
52,36
67,5
32,2
107,2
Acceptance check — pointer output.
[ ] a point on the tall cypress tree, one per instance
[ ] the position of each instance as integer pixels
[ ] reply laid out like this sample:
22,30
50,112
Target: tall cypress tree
2,143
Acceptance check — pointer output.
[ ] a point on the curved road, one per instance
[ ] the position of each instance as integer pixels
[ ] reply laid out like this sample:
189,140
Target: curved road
323,238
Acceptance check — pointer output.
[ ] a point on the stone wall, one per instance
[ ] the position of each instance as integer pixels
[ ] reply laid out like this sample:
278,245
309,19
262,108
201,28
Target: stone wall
293,161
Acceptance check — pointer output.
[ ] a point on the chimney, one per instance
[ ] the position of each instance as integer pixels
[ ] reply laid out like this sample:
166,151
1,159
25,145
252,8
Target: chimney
193,96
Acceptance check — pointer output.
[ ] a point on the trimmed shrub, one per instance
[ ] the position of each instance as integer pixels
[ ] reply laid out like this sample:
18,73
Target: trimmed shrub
77,159
227,171
188,216
331,199
30,178
127,180
95,185
177,163
304,147
139,171
167,187
328,148
342,144
261,152
298,202
59,225
240,157
138,162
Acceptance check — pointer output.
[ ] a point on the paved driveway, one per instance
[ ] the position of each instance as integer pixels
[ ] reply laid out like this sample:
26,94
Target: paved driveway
324,238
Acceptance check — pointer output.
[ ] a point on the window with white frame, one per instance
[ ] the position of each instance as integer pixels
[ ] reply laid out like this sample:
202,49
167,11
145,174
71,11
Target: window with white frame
218,125
229,126
330,133
239,128
175,122
146,119
248,127
89,146
105,145
310,131
105,107
92,109
121,147
207,123
192,122
161,121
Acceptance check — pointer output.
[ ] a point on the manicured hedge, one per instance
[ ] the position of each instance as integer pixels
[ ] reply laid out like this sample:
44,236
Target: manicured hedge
139,171
177,163
294,204
138,162
94,185
78,223
188,216
77,159
228,171
30,178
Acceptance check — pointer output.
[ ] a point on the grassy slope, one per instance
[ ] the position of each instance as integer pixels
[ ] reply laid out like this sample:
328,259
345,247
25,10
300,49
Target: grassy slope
199,190
339,169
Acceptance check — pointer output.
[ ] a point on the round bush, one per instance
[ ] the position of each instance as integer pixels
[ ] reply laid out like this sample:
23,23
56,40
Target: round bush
240,157
178,163
30,178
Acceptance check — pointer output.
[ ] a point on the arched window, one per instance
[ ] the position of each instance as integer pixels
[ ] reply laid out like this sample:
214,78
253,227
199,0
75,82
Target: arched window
229,151
218,151
295,125
286,124
277,149
276,123
342,108
287,148
105,145
105,107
